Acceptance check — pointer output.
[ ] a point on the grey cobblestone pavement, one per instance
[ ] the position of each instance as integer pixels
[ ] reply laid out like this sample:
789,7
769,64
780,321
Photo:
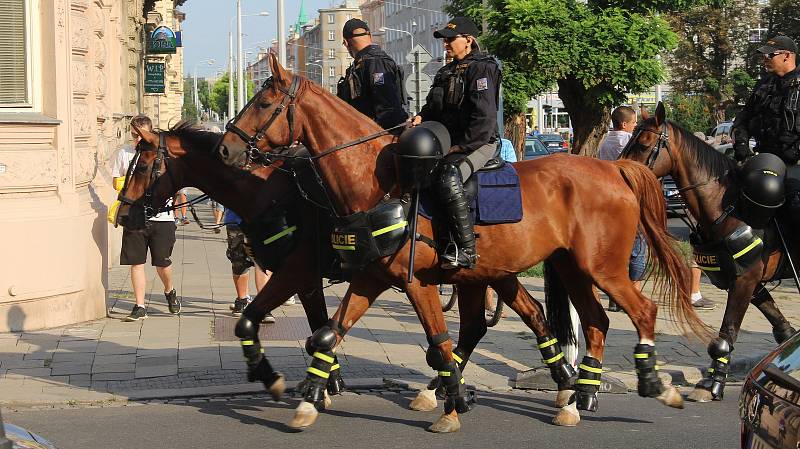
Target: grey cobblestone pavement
165,356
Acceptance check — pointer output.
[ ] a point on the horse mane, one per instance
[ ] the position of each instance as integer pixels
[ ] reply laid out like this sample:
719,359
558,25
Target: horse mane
194,135
707,158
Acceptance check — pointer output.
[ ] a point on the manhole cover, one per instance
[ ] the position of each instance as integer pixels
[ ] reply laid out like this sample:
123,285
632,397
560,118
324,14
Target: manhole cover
286,328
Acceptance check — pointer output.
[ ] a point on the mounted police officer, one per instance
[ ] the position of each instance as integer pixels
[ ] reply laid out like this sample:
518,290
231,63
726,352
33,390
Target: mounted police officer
464,97
373,83
772,113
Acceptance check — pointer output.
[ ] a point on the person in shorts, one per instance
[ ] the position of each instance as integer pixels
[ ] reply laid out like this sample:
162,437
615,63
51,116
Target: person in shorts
180,199
240,266
158,237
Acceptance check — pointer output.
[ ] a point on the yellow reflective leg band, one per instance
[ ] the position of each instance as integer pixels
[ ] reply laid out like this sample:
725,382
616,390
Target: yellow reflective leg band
318,372
462,380
335,367
248,342
553,359
323,357
723,359
640,355
283,233
457,358
590,369
389,228
587,382
445,373
741,253
548,343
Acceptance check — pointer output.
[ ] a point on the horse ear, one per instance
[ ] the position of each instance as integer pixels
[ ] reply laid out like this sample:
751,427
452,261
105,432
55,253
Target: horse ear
279,74
661,113
146,135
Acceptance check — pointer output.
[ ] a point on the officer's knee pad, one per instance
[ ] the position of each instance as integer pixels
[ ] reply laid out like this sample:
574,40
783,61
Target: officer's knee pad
324,339
719,348
435,358
246,328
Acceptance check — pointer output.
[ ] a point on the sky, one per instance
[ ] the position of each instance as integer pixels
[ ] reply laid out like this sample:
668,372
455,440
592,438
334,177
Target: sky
205,31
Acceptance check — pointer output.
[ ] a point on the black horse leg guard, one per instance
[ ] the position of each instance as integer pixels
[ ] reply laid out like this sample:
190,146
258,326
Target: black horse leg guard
335,382
588,384
650,384
783,332
451,379
436,383
719,350
562,372
320,345
258,368
451,193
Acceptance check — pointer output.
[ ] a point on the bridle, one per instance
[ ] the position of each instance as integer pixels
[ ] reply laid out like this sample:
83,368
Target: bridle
655,150
162,158
287,102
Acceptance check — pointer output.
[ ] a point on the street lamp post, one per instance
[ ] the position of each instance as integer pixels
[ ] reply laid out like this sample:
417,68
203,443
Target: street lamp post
196,94
240,62
384,29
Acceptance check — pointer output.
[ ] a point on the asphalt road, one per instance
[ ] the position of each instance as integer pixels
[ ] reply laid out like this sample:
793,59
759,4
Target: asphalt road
382,420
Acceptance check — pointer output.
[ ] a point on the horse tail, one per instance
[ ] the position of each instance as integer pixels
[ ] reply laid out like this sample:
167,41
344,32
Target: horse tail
557,301
668,269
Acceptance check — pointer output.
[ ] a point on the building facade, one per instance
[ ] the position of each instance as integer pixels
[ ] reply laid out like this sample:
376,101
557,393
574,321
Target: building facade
419,20
374,13
72,81
334,57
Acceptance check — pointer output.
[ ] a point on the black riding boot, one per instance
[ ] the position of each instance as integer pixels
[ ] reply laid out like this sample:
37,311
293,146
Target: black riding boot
451,194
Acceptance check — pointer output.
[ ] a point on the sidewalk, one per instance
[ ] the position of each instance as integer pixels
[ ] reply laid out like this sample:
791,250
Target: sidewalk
196,352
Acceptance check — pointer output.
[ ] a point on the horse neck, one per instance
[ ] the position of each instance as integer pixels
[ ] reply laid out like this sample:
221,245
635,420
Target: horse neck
240,191
353,176
703,201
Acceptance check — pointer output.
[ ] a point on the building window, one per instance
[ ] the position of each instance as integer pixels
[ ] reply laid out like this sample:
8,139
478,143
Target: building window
331,18
331,71
331,53
15,53
349,16
331,35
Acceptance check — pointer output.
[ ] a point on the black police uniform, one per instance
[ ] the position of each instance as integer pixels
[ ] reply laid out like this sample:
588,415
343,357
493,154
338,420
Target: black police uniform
373,85
772,117
464,97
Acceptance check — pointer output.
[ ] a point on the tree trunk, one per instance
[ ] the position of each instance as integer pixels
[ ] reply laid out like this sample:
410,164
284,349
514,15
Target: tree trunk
589,121
515,132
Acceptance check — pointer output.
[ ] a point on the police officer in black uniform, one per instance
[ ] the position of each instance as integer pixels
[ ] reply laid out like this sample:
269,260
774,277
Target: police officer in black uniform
373,83
464,97
772,113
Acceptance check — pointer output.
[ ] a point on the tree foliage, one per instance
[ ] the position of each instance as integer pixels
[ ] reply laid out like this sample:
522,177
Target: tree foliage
219,93
595,52
692,112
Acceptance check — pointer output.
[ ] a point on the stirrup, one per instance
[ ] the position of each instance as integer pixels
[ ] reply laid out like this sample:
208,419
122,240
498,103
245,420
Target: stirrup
457,259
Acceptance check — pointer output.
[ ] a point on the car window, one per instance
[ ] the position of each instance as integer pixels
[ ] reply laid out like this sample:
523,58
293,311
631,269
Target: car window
534,148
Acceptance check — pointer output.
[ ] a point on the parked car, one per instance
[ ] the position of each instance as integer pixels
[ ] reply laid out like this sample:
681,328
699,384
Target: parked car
22,439
769,406
554,142
676,207
720,134
535,149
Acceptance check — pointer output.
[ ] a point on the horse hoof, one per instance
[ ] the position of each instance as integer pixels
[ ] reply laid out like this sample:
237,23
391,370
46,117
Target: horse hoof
562,398
425,401
446,424
671,397
567,416
304,416
277,388
700,395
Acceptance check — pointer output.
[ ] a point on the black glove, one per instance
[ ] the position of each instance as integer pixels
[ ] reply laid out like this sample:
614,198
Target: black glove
741,152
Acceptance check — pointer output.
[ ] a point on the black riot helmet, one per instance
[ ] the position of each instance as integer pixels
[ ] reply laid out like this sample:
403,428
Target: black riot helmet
763,190
419,150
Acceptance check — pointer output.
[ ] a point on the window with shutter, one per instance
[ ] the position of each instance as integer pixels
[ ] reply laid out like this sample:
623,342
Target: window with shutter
13,54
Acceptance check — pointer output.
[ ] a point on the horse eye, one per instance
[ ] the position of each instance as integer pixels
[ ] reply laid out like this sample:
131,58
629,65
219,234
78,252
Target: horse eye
264,105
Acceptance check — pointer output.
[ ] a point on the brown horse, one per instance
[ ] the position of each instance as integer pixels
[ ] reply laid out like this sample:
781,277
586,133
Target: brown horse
706,180
188,160
580,213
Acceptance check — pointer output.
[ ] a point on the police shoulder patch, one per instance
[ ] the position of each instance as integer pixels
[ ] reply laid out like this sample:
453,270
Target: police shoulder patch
483,84
377,79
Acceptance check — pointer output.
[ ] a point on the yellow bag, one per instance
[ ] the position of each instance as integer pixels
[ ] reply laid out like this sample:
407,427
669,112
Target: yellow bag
112,212
119,183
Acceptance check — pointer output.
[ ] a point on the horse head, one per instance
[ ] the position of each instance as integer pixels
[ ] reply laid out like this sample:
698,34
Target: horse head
649,137
267,121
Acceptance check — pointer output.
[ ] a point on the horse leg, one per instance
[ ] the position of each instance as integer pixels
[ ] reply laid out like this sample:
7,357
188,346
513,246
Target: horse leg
642,313
781,329
472,327
712,387
321,345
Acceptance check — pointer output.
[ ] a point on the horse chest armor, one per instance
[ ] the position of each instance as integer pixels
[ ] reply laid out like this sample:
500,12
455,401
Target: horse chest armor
725,259
364,237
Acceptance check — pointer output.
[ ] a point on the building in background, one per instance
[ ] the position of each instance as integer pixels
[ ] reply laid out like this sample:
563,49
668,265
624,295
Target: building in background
72,78
419,20
165,108
374,13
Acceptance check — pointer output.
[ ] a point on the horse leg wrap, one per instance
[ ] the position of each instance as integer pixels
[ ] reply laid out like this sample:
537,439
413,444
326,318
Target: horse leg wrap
436,382
320,345
588,384
335,382
783,332
450,379
562,372
649,385
719,350
258,368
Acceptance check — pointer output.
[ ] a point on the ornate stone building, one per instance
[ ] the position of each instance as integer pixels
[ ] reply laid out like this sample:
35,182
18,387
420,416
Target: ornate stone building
72,80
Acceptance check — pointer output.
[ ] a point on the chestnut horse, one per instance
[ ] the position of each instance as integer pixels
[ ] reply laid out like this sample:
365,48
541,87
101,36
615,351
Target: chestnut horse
188,160
580,213
706,180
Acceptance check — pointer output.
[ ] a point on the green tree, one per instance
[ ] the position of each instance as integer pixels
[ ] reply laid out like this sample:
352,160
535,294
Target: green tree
595,52
219,93
713,39
782,16
188,111
692,112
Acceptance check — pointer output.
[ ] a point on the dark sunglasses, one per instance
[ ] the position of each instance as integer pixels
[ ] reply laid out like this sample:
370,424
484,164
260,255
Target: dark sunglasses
452,38
773,54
